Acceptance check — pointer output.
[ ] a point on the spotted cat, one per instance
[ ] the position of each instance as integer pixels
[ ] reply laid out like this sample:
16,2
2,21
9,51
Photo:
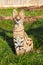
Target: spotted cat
22,42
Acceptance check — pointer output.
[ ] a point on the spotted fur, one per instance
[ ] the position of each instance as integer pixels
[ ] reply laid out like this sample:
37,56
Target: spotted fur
22,42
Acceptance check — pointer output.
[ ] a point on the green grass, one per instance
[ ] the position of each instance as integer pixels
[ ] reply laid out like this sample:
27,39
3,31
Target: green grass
34,13
34,30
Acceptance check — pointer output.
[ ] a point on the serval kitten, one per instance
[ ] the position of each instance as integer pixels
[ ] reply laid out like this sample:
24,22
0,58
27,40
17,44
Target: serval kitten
22,42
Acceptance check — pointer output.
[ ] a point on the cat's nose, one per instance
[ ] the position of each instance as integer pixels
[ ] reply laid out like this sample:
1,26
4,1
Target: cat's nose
18,18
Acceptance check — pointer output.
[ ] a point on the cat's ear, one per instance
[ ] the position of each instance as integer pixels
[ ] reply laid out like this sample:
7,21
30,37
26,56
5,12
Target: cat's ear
21,14
15,13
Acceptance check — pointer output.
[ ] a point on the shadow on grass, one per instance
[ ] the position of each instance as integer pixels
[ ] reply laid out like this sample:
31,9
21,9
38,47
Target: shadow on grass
37,33
8,39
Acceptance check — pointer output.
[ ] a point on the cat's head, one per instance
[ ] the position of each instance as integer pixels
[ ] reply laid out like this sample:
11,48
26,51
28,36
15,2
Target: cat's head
18,17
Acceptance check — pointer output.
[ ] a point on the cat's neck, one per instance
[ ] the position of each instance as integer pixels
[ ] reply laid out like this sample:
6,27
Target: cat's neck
19,27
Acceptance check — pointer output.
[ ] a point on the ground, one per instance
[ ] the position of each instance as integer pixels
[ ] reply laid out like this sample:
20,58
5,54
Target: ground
34,30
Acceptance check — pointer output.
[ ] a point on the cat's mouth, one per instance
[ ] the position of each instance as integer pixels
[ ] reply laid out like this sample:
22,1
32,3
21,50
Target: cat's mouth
17,22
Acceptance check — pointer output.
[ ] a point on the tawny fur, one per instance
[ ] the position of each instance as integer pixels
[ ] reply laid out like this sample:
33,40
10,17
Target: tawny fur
19,33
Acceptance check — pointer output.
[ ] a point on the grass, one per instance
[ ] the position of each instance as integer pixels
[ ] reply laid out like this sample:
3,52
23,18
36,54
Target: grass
34,13
34,30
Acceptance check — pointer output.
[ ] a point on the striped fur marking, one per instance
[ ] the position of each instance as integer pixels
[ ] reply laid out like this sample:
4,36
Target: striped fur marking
18,42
